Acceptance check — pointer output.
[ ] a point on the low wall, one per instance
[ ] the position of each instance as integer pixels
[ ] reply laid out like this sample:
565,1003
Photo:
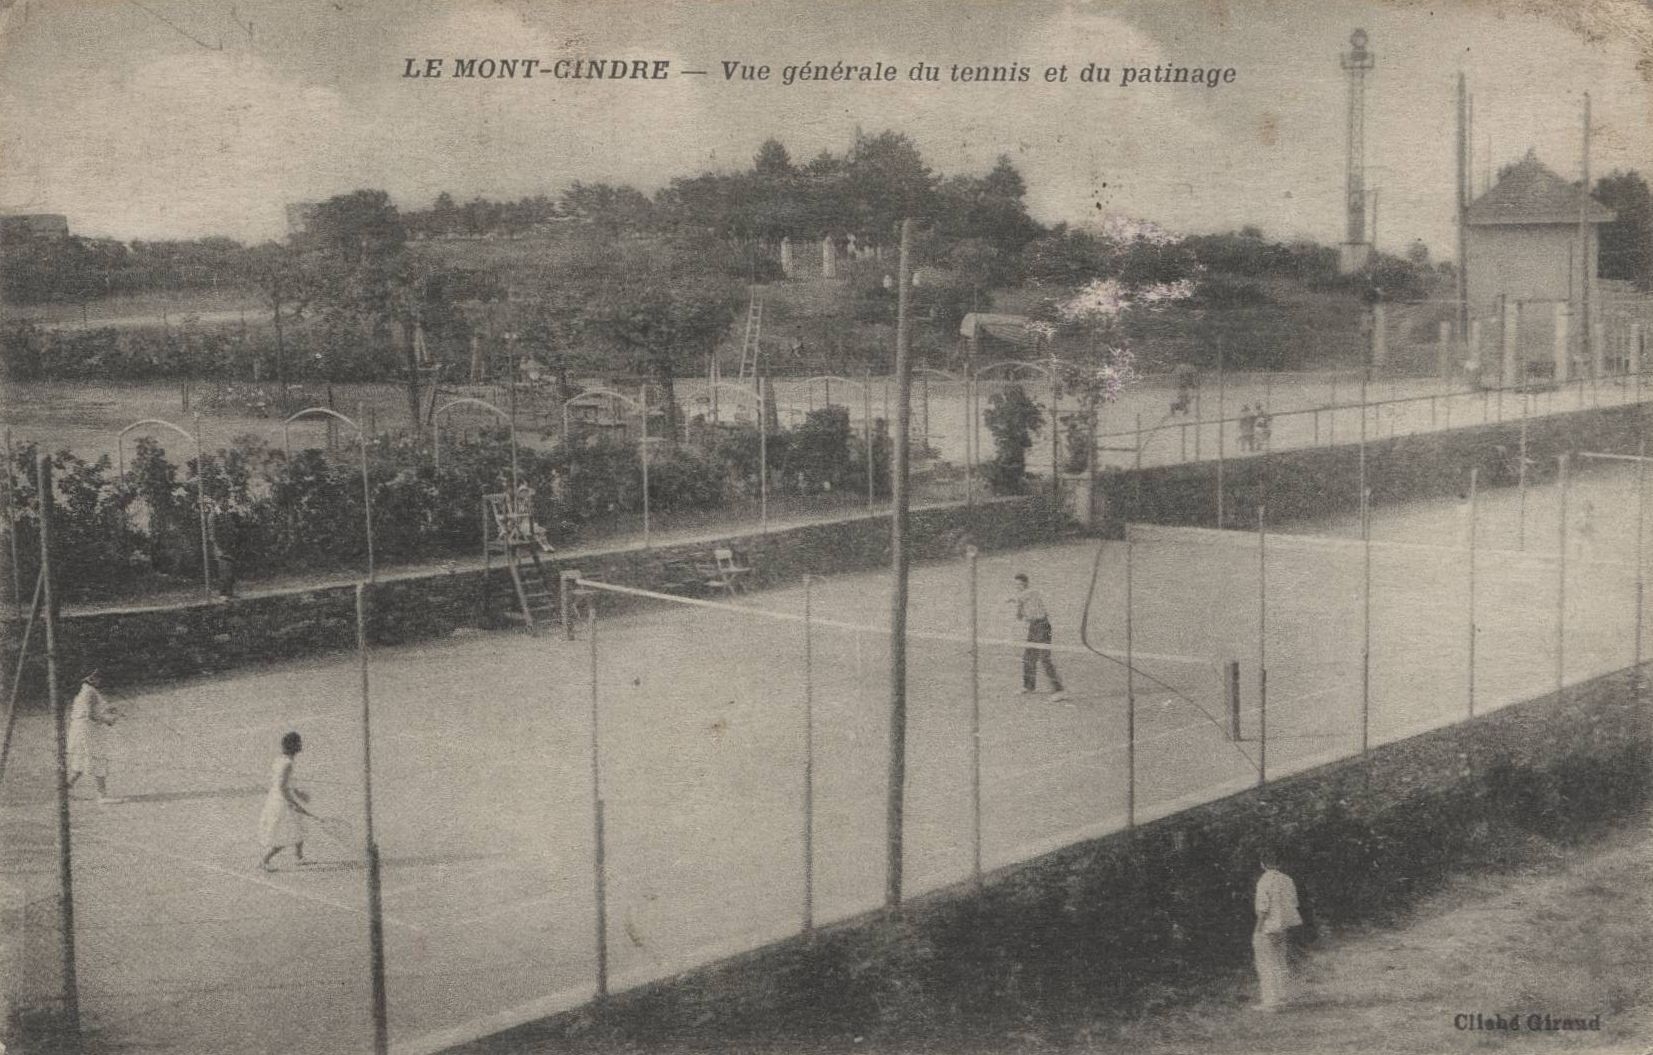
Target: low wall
1113,926
151,644
1323,481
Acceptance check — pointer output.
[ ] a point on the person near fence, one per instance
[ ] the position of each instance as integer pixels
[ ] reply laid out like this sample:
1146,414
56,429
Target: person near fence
1248,428
281,824
1030,609
1261,424
89,715
1277,913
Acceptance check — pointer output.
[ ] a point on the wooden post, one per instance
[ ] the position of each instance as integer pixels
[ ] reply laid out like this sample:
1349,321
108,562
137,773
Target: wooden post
1365,611
60,717
809,761
1130,681
375,897
1641,522
1262,649
898,593
763,455
599,864
1561,586
643,453
1474,480
367,492
975,717
1222,385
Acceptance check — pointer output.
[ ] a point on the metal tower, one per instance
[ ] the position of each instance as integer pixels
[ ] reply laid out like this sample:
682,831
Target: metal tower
1356,248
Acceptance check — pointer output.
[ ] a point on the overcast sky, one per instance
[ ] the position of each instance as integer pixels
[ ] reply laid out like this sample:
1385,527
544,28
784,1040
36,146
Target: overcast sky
178,118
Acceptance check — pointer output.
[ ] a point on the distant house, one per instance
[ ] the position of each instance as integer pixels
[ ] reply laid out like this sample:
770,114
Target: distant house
1525,250
1523,240
33,225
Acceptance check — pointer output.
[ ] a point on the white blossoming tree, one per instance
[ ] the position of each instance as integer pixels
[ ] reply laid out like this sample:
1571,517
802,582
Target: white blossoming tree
1100,374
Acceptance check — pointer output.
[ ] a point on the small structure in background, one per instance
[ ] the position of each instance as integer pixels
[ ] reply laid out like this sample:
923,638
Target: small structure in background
44,225
1530,250
1356,249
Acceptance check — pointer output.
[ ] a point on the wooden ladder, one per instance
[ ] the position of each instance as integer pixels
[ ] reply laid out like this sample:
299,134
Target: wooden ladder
515,538
535,599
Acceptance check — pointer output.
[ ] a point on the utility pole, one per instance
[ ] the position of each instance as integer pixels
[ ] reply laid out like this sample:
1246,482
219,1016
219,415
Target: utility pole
60,719
1587,270
898,569
1463,209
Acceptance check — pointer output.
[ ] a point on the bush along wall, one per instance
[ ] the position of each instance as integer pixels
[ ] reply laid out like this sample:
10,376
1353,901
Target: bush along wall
1113,929
122,535
135,645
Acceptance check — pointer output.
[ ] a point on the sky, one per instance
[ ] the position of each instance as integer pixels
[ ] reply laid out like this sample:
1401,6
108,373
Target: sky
182,118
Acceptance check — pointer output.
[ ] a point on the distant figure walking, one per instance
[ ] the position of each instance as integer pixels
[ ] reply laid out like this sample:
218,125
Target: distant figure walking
1030,608
281,824
1260,428
1584,536
1248,428
89,715
1276,909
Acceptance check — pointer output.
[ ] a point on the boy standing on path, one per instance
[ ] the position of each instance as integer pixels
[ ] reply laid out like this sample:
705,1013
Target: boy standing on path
1276,907
1030,608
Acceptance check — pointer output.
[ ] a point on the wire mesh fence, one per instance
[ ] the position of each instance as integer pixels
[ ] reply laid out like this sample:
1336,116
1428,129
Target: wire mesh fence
693,777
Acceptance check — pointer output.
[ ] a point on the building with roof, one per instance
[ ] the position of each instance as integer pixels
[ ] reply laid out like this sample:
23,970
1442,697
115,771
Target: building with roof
1530,246
1522,238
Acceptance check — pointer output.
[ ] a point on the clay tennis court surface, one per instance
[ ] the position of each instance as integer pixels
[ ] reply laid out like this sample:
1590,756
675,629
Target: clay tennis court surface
483,771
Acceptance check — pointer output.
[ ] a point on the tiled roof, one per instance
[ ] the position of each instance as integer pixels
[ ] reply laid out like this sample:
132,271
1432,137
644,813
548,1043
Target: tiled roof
1530,193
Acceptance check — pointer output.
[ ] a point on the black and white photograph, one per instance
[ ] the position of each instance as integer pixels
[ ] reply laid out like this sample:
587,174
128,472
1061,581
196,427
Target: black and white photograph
812,527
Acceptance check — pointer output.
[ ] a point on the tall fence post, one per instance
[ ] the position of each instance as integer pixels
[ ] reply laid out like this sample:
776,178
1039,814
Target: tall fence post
1521,481
866,434
1262,648
1474,481
643,454
763,455
1365,612
60,720
599,847
809,760
370,844
11,526
1641,522
975,716
1130,680
1561,585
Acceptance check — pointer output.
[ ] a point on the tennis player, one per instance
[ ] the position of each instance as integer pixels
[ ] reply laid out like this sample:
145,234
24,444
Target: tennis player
1030,608
89,716
282,822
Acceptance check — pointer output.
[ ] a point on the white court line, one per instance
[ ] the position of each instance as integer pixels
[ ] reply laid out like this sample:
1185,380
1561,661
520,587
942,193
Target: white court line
469,875
145,848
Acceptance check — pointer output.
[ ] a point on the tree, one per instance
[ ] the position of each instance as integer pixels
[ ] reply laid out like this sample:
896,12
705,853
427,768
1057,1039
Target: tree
772,161
659,306
1013,419
1626,250
287,286
358,228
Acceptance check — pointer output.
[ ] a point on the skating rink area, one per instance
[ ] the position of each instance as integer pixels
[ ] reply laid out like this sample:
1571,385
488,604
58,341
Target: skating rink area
724,734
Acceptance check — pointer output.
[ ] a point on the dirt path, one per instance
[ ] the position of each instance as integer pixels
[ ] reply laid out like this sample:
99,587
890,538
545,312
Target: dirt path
1568,936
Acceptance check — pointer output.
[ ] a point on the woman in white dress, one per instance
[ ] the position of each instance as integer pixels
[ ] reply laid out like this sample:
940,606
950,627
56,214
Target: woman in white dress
282,822
88,747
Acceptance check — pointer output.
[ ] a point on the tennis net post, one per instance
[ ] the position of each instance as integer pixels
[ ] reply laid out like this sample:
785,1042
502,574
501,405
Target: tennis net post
1231,691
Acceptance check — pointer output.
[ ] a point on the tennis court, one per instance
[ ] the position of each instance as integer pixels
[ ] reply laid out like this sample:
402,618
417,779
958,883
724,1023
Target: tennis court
724,734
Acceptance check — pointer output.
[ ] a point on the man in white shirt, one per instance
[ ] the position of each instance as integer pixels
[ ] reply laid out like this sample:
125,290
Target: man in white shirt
1030,608
1276,907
